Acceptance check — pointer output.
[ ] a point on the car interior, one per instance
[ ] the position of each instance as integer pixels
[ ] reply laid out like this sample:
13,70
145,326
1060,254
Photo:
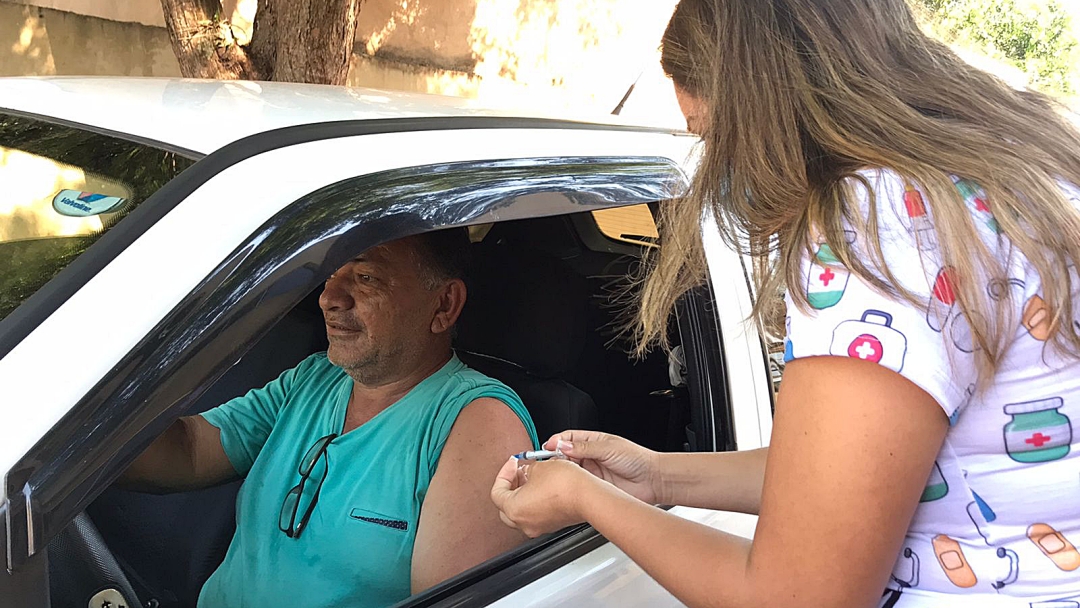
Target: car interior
541,316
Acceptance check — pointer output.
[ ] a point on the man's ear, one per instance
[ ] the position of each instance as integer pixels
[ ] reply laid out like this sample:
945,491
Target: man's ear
448,307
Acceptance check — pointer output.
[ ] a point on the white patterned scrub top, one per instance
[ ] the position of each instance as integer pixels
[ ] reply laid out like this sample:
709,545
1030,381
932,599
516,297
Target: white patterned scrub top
999,521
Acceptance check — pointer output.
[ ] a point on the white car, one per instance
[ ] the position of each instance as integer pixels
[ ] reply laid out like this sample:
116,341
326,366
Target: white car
162,243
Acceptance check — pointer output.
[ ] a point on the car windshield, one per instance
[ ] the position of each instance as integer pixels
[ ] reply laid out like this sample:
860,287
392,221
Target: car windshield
63,188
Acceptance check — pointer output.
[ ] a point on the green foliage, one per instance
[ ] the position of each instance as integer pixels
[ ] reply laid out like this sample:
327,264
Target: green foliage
1036,37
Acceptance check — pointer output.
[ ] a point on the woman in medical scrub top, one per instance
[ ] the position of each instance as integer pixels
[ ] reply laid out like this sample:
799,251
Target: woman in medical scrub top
921,218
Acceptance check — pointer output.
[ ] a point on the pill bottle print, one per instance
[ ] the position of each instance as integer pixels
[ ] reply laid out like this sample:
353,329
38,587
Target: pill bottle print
942,303
1054,545
936,487
974,195
1038,432
921,226
828,281
951,558
967,188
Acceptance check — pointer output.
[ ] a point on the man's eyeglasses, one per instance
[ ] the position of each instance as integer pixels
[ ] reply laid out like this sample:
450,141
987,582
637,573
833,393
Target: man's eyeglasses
287,521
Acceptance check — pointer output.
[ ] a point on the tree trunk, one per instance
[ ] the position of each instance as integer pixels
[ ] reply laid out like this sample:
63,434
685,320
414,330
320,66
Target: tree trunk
292,40
203,41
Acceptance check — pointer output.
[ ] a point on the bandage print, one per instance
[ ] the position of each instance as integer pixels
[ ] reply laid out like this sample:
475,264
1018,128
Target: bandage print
1038,431
1055,546
1036,318
951,558
871,338
919,223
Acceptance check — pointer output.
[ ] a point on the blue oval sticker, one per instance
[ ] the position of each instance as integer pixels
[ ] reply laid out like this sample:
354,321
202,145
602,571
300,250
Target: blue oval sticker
74,203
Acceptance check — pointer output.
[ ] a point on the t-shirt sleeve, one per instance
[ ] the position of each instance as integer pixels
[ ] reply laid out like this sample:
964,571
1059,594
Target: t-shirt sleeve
484,388
246,422
930,343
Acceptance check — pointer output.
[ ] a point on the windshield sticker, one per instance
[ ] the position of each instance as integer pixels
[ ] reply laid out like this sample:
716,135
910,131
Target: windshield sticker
74,203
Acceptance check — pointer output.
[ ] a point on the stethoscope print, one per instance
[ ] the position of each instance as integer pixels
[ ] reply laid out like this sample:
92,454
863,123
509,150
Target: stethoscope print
891,596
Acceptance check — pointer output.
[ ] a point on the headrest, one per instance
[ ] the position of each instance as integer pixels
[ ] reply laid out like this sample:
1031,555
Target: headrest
524,307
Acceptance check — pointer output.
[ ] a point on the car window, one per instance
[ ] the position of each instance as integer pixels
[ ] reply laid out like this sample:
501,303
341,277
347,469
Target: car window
63,188
633,224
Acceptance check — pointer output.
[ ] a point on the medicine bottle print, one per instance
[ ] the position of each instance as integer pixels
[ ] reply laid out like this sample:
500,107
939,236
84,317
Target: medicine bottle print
936,487
828,281
974,195
1038,432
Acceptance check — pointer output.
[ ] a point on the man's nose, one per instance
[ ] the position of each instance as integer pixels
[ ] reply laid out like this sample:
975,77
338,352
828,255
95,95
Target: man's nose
335,295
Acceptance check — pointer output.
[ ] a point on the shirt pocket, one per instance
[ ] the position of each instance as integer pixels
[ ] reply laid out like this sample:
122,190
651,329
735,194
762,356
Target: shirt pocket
379,519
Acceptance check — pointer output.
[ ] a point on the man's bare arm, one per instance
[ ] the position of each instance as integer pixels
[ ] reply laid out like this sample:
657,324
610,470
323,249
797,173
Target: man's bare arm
187,456
459,526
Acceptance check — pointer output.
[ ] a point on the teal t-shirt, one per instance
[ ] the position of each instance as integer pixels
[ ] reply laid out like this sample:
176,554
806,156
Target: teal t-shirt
356,549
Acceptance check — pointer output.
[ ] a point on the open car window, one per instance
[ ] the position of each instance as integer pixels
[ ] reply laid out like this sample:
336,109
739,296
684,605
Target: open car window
63,188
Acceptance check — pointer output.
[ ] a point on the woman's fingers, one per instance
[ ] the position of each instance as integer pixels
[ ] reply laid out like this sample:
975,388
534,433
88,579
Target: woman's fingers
506,520
505,483
567,438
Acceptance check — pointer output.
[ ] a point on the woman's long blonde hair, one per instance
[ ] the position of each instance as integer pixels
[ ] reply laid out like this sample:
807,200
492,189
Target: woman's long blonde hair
802,94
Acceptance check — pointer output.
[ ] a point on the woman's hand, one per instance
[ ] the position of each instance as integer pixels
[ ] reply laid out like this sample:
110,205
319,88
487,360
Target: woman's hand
623,463
541,497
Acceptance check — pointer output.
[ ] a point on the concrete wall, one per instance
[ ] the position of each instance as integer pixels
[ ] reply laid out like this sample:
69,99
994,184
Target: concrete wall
40,41
577,55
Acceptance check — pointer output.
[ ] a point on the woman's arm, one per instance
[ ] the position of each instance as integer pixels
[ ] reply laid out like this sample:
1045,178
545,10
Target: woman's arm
852,447
725,481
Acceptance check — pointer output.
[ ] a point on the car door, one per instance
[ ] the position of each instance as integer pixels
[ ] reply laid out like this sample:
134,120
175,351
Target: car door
220,253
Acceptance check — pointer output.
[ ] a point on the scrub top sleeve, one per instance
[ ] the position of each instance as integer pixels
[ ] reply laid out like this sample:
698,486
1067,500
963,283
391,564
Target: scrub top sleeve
929,342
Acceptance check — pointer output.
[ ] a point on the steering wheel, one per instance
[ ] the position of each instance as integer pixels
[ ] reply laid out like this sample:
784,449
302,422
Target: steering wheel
84,572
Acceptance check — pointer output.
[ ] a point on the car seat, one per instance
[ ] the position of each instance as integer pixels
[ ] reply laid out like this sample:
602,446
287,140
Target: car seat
525,322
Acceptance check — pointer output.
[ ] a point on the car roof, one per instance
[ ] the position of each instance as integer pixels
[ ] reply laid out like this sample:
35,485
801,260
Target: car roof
204,115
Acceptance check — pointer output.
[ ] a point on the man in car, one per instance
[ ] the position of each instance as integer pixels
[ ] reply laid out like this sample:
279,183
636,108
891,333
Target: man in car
366,467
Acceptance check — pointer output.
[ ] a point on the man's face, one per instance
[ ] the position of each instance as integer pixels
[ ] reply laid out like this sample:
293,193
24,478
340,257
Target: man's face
378,312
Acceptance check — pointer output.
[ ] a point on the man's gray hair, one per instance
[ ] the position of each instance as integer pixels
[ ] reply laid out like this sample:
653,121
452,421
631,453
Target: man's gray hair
443,255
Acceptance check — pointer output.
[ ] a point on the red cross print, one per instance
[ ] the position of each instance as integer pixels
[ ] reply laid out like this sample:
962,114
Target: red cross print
1038,439
867,348
827,276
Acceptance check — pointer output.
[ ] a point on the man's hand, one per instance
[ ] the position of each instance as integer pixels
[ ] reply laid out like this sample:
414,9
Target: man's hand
459,526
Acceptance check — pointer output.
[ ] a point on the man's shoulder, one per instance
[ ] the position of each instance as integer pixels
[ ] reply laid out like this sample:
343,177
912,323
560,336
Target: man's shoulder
468,378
